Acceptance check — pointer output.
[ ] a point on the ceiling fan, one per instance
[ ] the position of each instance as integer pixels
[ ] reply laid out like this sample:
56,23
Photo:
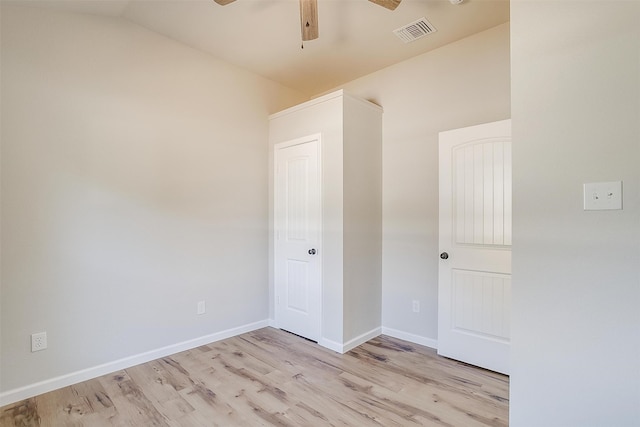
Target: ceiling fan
309,15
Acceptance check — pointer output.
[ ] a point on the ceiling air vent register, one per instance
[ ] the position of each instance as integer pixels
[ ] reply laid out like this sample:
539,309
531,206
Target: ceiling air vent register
415,30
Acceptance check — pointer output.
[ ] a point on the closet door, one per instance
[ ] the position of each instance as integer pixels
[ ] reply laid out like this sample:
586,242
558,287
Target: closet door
298,282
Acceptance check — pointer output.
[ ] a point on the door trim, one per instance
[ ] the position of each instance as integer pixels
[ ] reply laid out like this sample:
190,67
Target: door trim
276,149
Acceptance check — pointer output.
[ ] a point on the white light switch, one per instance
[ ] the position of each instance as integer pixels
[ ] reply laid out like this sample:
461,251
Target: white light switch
600,196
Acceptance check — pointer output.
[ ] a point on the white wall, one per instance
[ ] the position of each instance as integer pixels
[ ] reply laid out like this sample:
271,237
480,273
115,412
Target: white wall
362,216
134,184
462,84
576,274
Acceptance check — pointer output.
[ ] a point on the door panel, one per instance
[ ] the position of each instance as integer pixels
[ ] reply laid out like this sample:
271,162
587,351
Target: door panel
481,194
474,290
297,252
481,303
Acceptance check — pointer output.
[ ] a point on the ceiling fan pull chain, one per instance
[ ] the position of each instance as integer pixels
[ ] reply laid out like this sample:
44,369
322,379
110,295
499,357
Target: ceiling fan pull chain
302,45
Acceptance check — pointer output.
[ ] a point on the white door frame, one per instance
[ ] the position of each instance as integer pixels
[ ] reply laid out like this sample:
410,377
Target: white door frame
276,218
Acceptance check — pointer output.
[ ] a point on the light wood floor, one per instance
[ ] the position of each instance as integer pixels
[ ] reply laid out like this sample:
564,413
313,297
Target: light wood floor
270,377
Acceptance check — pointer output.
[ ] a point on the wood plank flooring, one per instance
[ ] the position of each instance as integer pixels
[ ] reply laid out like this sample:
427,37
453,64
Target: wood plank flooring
270,377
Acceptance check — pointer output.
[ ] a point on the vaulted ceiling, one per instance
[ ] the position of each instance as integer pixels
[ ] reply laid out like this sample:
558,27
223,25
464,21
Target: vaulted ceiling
263,36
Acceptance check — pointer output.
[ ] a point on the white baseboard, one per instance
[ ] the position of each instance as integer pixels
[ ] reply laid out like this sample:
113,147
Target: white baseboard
31,390
361,339
353,343
416,339
331,345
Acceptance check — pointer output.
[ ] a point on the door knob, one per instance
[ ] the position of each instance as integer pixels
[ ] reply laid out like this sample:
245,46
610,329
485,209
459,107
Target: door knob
444,255
312,251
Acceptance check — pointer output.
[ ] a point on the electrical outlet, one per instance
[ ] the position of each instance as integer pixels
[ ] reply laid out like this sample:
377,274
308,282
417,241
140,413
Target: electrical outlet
202,308
416,306
38,341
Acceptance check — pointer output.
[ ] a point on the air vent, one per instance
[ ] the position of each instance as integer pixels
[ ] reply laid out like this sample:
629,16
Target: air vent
415,30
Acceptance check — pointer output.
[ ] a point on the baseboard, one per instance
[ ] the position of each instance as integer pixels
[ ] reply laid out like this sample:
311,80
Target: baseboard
31,390
324,342
353,343
416,339
361,339
331,345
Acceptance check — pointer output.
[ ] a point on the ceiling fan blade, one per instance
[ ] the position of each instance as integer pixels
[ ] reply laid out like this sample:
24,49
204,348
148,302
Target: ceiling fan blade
309,19
389,4
224,2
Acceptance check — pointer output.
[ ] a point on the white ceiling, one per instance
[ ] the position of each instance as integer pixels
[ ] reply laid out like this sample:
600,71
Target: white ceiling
263,36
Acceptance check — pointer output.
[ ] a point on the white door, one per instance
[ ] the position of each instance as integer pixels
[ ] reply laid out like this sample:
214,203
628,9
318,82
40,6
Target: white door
474,289
297,237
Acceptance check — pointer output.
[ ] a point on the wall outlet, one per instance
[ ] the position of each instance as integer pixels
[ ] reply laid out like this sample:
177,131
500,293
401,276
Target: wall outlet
202,308
416,306
38,341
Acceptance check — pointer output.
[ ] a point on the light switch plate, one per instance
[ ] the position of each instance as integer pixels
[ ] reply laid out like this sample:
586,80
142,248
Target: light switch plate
600,196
